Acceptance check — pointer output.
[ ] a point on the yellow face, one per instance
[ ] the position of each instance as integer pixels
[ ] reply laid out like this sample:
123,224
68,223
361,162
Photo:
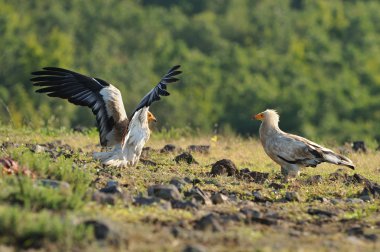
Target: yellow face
259,116
151,117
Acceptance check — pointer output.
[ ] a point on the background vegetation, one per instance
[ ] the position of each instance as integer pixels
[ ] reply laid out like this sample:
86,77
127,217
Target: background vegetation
317,62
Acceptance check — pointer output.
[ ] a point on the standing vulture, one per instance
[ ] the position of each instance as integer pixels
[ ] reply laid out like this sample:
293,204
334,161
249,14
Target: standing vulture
293,152
126,137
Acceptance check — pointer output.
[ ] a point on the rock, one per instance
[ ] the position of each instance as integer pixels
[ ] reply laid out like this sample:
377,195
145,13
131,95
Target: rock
219,198
111,187
38,148
276,186
204,149
187,205
313,180
255,176
166,192
209,222
53,183
314,211
371,189
145,201
148,162
354,201
185,157
336,201
259,197
101,230
194,248
251,213
200,196
168,148
359,178
292,196
103,198
224,166
321,199
371,237
355,230
178,182
359,146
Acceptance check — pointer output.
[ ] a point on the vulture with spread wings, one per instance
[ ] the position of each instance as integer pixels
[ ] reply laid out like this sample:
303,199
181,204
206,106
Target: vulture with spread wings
127,137
293,152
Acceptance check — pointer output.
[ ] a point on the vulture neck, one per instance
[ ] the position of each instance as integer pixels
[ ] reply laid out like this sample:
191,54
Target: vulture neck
269,127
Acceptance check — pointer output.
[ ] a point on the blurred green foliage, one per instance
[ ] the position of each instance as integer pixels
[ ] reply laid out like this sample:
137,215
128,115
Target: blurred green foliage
317,62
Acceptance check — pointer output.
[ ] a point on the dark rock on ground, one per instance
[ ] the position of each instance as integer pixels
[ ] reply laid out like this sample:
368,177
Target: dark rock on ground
354,200
103,198
194,248
178,182
371,189
145,201
111,187
313,180
101,230
292,196
185,157
359,178
219,198
166,192
359,146
146,152
251,213
148,162
188,204
259,197
315,211
168,148
209,222
199,195
276,186
53,183
371,237
255,176
224,166
204,149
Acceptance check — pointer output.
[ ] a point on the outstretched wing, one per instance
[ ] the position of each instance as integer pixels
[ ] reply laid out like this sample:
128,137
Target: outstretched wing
159,90
104,99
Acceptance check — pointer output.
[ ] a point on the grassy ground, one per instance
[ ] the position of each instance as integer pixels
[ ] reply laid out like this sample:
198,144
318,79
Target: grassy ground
69,218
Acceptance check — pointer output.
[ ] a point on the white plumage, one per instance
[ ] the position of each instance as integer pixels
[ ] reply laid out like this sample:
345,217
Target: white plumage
292,152
125,138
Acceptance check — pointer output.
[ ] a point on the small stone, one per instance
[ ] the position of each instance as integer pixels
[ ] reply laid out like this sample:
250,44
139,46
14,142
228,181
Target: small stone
168,148
101,230
292,196
359,146
208,222
146,201
166,192
178,182
224,166
259,197
219,198
359,178
185,157
53,183
313,180
111,187
200,196
276,186
148,162
366,198
38,148
354,200
251,213
371,237
204,149
194,248
187,205
257,177
314,211
103,198
336,201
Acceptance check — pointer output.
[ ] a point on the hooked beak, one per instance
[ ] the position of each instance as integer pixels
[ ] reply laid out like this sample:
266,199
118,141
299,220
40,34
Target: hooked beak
259,116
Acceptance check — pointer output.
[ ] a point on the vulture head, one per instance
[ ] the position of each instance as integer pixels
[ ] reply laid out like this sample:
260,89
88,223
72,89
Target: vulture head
151,117
270,116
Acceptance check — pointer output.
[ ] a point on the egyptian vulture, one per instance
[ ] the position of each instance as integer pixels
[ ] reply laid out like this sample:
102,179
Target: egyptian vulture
124,138
292,152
